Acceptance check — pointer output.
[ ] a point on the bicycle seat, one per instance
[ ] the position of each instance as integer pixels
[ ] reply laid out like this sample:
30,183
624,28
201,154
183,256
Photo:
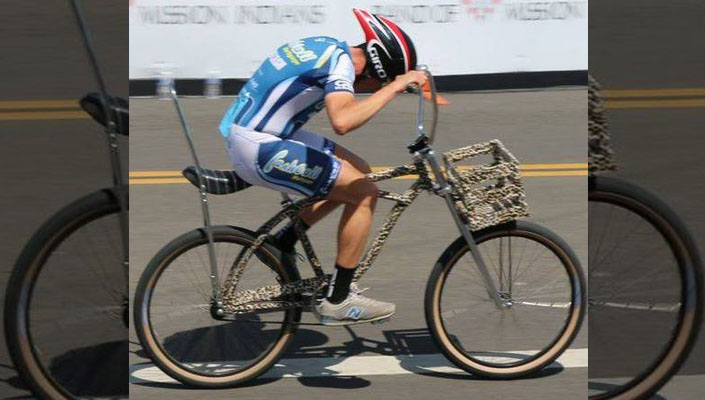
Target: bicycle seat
217,182
119,108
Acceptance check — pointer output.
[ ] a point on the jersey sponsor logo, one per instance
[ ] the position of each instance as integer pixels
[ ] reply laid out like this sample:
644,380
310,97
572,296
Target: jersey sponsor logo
342,85
277,61
297,52
376,62
354,313
293,167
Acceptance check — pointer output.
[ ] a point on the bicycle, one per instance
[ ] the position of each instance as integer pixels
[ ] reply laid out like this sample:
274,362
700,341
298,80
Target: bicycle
49,321
203,304
646,279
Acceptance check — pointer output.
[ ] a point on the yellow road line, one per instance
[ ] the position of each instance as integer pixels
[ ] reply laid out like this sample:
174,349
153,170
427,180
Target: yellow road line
9,104
26,110
667,103
156,181
525,167
172,177
631,93
42,115
138,174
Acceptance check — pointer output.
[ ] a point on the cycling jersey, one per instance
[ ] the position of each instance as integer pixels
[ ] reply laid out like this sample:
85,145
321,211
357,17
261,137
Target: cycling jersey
290,86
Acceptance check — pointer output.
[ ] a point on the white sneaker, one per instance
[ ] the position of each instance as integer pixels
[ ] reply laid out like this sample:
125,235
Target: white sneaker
355,309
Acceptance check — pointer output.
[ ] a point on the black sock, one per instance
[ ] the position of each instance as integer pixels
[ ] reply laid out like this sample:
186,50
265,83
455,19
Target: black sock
286,238
340,284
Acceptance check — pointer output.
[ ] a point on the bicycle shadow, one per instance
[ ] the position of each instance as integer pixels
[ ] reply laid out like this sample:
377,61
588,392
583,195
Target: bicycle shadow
315,364
413,349
97,371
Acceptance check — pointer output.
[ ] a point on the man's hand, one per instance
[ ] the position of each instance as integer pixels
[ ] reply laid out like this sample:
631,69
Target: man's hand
402,82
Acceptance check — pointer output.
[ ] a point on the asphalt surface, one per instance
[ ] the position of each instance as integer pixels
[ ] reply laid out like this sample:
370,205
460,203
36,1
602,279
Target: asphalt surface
653,45
538,126
48,162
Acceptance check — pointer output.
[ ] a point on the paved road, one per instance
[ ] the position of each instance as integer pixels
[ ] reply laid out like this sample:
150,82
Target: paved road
540,127
657,136
52,153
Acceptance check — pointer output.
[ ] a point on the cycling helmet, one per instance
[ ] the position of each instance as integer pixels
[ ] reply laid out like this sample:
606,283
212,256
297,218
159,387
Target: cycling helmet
388,50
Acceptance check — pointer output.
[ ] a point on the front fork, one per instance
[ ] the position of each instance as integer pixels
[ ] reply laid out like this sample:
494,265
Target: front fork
445,190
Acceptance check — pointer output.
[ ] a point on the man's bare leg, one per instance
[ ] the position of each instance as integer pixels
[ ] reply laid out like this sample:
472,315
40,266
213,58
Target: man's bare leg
359,197
320,210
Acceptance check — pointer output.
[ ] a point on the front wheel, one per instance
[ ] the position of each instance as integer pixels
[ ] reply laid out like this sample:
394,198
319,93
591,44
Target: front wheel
535,273
646,297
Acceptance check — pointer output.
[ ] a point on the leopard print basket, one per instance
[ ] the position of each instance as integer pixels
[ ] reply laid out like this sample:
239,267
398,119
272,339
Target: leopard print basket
489,194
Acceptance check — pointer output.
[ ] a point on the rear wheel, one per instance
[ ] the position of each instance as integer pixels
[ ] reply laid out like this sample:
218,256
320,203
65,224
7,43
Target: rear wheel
174,319
536,272
66,301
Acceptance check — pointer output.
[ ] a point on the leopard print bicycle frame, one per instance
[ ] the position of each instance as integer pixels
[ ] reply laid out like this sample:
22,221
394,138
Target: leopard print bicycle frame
480,206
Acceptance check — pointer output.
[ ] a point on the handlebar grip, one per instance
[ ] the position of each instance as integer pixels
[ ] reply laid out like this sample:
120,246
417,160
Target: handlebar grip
413,88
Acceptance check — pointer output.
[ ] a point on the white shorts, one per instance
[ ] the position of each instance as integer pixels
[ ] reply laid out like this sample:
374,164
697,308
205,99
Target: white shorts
303,163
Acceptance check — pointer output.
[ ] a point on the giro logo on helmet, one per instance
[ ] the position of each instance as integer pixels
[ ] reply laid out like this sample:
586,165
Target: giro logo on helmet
376,62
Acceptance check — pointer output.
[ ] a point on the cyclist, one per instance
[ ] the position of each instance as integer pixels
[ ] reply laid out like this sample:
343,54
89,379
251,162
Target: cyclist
267,147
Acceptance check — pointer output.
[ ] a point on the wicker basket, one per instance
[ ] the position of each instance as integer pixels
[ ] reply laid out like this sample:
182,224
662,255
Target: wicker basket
600,154
489,194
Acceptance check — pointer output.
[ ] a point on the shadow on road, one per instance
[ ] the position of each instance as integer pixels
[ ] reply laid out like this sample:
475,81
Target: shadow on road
310,345
89,372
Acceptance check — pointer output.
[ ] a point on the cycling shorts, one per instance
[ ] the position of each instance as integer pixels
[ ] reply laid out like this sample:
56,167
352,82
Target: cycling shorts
303,163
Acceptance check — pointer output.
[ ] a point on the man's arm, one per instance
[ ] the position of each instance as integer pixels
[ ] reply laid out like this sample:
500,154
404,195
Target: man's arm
347,114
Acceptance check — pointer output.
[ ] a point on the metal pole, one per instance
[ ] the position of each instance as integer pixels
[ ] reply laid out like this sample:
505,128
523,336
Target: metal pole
445,190
111,130
215,280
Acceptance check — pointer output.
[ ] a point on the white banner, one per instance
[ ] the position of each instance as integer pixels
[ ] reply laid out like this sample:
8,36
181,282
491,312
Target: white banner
230,38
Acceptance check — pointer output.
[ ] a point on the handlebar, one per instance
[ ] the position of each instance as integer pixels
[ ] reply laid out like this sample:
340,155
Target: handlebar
427,136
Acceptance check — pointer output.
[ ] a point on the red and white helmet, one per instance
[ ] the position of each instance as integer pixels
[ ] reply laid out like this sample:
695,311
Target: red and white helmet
389,51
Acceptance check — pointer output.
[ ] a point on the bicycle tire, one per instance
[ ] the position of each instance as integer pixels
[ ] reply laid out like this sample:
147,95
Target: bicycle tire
666,221
23,279
148,282
448,259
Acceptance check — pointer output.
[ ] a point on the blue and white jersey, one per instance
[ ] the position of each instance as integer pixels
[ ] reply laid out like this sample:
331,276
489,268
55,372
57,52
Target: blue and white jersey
290,86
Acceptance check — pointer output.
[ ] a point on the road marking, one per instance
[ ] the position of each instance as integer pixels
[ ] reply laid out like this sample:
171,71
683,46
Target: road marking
12,104
27,110
359,366
654,98
42,115
528,170
631,93
157,181
676,103
138,174
665,307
